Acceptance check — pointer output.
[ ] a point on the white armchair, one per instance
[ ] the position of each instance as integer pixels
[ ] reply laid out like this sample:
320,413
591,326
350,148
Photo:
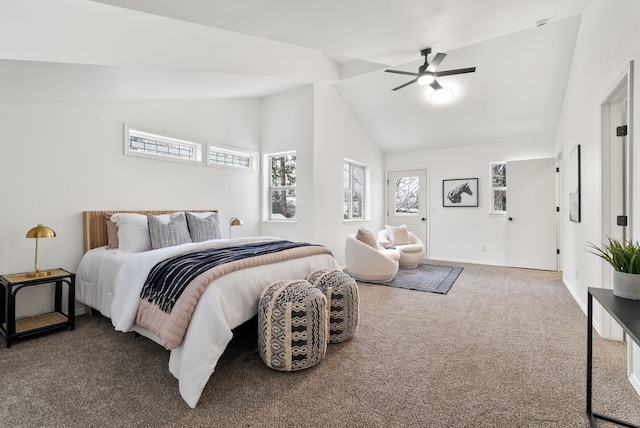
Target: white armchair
411,254
370,264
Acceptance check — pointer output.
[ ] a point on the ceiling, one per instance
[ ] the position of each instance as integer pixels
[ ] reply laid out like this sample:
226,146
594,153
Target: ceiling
251,48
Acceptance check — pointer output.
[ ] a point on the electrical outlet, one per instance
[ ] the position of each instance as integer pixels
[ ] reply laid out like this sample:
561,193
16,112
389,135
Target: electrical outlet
483,248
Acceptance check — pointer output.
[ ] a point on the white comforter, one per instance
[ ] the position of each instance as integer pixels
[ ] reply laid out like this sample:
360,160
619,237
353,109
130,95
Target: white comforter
111,281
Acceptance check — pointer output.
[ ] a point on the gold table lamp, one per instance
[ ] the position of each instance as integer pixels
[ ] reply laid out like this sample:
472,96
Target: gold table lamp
38,232
234,222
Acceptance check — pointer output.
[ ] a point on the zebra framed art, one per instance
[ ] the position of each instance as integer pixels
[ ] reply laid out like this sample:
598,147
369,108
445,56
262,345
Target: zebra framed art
460,192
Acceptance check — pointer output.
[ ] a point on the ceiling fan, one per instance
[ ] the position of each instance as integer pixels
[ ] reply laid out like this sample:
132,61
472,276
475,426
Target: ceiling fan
427,73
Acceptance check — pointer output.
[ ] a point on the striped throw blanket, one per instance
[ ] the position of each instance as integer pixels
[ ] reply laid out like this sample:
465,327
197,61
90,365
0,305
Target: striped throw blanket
173,286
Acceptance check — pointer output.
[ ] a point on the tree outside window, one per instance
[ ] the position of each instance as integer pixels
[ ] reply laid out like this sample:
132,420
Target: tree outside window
498,187
353,202
406,191
282,186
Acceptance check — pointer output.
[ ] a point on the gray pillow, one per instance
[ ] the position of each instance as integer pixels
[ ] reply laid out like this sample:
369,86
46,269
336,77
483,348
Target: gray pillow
204,228
169,234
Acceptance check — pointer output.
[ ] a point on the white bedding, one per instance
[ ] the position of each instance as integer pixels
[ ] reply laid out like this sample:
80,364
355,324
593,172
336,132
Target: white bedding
111,281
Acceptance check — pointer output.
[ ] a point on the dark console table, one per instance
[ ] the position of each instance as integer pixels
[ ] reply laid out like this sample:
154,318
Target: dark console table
627,313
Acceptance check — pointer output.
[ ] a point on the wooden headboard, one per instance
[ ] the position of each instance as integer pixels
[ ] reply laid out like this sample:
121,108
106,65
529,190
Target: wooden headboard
94,228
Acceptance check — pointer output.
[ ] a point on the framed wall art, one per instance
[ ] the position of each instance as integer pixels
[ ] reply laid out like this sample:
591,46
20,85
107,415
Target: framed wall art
460,192
574,184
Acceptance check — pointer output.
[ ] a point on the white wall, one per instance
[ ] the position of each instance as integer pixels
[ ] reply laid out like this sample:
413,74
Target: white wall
457,234
59,159
287,124
338,135
314,121
609,37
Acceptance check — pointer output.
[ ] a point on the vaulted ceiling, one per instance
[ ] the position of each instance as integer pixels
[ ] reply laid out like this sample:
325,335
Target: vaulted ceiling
163,49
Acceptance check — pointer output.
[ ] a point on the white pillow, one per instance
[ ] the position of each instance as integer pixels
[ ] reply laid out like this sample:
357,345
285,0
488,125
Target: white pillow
399,235
133,231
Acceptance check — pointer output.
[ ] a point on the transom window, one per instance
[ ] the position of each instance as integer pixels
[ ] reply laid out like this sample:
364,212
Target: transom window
223,156
229,159
144,144
281,169
354,191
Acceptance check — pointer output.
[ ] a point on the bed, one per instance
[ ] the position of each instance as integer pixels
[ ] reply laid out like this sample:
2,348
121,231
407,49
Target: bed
110,280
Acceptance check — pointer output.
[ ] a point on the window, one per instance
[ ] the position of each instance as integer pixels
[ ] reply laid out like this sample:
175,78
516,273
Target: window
354,190
219,156
281,170
144,144
407,190
498,187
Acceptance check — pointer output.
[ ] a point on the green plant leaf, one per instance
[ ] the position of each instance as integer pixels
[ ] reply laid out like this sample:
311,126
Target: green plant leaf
623,256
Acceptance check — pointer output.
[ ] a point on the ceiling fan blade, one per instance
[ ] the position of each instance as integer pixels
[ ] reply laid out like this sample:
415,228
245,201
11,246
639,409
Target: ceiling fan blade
452,72
435,85
435,62
408,73
406,84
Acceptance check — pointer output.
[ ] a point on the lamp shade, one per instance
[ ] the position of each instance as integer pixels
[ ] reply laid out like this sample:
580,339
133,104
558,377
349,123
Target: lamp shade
426,79
41,231
235,222
38,232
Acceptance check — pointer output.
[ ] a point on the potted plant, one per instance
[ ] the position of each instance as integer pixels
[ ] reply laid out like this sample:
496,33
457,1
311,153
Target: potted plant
624,258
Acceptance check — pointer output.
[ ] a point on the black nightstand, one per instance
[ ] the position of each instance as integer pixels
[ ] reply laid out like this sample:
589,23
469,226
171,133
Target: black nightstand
13,329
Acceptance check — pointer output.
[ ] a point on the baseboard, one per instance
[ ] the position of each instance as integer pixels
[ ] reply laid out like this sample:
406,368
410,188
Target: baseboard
581,304
633,365
81,309
635,382
472,262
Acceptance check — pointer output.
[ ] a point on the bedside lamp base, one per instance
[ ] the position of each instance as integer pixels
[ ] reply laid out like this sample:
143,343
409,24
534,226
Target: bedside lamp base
38,274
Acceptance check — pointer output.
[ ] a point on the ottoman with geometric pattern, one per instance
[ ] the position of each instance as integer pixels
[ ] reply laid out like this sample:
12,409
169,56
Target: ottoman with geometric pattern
292,325
342,301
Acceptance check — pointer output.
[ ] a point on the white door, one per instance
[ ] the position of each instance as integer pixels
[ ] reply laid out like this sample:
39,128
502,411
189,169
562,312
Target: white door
616,181
531,214
407,201
618,173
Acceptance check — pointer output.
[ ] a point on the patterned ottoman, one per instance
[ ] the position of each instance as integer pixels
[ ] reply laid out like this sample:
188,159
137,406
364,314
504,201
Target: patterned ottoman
342,302
292,325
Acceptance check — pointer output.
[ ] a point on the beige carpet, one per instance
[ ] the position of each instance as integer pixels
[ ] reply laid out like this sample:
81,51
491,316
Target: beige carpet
504,348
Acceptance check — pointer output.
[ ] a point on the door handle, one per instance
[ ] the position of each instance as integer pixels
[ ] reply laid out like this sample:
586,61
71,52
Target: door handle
424,219
510,219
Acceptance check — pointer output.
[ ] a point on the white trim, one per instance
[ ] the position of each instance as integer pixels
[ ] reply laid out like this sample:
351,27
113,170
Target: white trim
267,188
493,212
365,191
619,90
633,364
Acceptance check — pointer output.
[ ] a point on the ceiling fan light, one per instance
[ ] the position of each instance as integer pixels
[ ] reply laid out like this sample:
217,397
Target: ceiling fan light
426,79
442,95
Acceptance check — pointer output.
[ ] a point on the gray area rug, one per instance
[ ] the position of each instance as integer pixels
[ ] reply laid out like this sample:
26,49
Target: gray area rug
431,278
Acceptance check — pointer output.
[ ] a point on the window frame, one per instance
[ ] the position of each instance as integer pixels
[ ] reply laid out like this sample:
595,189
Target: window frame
365,191
269,187
252,156
492,210
128,132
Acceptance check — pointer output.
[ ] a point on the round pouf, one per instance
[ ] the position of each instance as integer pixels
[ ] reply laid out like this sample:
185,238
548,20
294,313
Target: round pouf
292,325
342,302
